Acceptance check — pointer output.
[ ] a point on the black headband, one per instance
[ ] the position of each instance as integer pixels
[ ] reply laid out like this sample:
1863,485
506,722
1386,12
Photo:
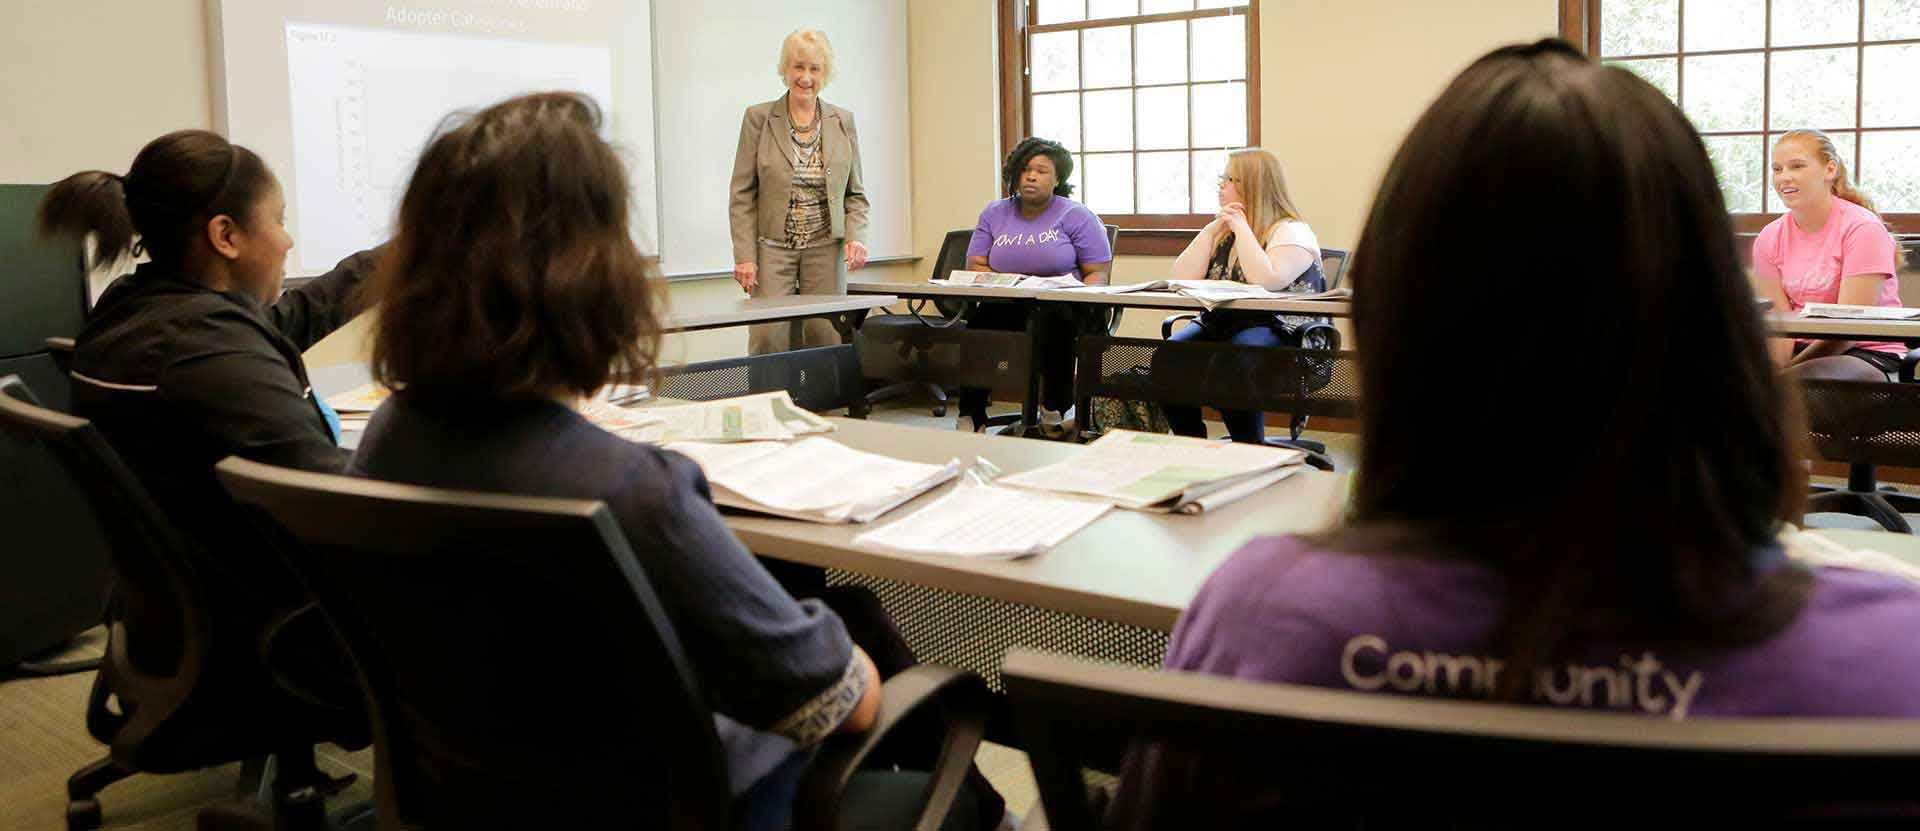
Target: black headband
164,206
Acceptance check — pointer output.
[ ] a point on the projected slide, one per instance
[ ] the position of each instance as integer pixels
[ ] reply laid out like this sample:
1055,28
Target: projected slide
366,101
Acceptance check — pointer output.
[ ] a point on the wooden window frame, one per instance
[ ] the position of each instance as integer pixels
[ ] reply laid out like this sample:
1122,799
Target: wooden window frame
1580,25
1151,234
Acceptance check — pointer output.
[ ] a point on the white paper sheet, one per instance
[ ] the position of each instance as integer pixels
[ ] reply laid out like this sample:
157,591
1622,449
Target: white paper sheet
815,478
1812,548
1135,470
984,521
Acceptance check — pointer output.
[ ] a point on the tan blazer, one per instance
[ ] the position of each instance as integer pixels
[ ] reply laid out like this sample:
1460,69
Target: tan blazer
763,177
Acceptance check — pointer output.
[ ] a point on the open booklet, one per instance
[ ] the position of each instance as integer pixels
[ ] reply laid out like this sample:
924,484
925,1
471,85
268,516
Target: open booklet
1850,312
984,521
769,416
997,279
1158,471
815,479
1816,549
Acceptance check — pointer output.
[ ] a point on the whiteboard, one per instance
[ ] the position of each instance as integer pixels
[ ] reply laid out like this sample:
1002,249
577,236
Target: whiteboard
716,59
341,96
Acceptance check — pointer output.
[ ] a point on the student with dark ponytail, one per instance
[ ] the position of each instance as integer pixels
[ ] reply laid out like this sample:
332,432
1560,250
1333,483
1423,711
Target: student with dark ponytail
195,356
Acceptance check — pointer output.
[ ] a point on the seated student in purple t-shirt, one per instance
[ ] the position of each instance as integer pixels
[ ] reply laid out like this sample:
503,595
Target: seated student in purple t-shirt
1617,551
1038,231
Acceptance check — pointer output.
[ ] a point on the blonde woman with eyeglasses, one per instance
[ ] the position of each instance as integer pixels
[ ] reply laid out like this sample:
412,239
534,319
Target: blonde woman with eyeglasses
1260,238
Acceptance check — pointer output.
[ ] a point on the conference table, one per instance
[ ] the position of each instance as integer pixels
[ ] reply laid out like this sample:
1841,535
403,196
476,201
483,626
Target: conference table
1828,328
1112,590
844,311
1126,300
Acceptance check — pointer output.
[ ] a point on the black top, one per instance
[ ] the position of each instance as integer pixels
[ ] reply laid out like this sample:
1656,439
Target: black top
178,377
781,667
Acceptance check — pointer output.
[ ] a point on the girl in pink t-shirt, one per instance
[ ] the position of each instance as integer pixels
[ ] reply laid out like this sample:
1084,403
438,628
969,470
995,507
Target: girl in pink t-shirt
1830,247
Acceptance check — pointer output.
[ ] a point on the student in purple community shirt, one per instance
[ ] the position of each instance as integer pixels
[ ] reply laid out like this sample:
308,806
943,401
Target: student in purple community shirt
1038,231
1618,552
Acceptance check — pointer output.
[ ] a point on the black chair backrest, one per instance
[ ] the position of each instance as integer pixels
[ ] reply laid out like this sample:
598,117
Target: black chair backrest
1333,263
472,617
953,257
1219,375
1231,748
1864,422
161,636
54,566
43,293
819,379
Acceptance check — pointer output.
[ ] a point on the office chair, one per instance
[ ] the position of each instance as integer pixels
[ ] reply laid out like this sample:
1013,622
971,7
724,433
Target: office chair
53,577
1866,424
933,348
1244,754
443,597
183,686
53,569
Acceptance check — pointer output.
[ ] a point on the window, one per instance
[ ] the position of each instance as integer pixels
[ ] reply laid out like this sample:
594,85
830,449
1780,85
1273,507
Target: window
1149,95
1745,71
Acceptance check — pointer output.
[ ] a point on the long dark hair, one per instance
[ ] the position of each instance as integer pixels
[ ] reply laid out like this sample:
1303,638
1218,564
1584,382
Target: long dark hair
512,271
1564,374
1024,152
177,183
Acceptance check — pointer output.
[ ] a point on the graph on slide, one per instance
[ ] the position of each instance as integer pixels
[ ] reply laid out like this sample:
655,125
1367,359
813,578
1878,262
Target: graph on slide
366,101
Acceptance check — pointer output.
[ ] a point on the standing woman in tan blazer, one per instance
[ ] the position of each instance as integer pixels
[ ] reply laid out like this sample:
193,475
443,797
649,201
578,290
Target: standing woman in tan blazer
799,212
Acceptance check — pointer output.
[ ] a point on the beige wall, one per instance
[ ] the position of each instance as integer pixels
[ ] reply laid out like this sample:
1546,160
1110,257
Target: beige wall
1340,84
92,80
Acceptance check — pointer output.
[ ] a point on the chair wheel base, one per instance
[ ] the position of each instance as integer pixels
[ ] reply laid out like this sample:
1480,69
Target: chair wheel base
83,815
940,411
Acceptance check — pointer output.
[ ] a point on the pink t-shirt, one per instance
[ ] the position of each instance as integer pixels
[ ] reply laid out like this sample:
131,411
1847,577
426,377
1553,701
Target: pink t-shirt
1810,265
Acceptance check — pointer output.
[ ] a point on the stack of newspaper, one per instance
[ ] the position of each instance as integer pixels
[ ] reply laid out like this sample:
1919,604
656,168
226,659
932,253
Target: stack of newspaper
1213,294
1008,281
815,478
770,416
1158,472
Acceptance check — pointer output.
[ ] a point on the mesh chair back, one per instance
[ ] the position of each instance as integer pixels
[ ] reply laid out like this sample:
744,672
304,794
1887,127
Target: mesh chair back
53,569
819,379
458,609
1240,754
1864,422
1219,375
1333,263
161,636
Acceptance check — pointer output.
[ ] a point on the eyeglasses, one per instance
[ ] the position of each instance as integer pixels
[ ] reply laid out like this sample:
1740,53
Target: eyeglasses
1224,178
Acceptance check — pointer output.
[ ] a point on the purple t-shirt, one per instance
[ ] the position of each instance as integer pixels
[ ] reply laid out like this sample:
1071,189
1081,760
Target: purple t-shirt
1279,610
1065,235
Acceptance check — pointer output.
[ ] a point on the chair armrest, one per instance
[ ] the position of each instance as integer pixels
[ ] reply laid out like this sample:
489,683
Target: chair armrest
1907,364
959,695
1166,326
61,351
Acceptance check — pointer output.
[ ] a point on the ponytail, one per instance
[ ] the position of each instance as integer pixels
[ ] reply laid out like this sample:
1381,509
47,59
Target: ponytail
1843,187
177,182
91,202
